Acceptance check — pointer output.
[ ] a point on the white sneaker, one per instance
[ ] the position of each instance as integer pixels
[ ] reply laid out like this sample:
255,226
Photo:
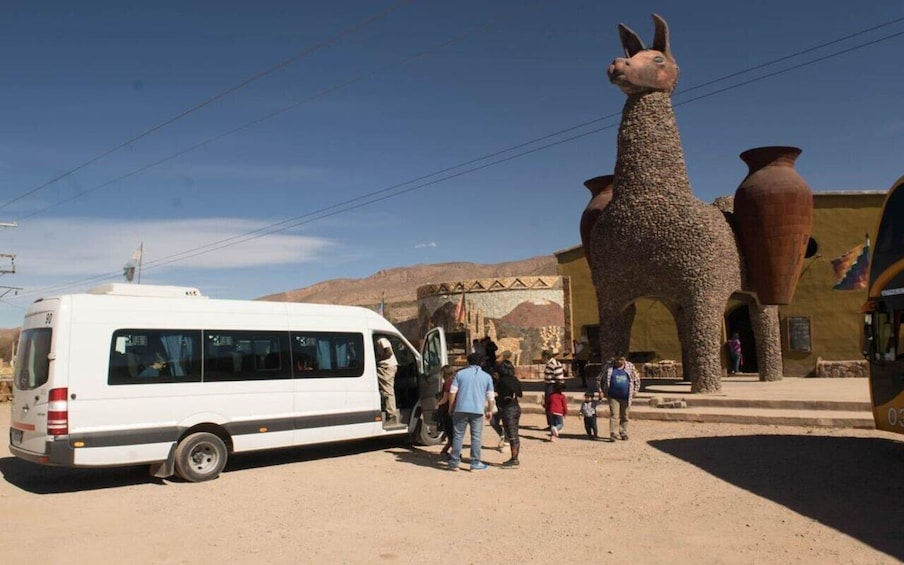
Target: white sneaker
502,442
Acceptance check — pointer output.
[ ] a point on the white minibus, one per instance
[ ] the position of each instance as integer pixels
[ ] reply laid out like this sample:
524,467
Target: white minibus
130,374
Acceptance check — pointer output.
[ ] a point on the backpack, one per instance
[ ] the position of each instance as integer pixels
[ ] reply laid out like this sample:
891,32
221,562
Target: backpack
619,385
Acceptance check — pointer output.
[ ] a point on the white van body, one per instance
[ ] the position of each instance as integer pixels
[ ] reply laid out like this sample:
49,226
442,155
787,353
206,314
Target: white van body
226,376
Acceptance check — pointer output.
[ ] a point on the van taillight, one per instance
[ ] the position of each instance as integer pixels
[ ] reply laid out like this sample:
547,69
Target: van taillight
58,412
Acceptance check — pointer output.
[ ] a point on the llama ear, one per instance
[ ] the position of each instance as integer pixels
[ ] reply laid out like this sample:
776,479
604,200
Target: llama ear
629,40
661,35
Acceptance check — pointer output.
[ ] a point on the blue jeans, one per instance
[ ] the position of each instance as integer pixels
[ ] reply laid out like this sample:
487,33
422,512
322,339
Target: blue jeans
461,420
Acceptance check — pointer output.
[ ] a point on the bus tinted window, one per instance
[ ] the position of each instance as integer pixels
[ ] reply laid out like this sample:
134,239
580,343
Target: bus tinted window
155,356
245,355
32,364
327,354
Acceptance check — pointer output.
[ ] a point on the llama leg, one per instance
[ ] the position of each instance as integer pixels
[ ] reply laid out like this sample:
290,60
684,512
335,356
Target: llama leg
615,331
764,320
701,340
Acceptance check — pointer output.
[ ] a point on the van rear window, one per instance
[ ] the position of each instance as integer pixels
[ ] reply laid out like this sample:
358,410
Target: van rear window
32,363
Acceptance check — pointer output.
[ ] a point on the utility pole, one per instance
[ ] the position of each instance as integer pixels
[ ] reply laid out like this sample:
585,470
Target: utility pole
10,268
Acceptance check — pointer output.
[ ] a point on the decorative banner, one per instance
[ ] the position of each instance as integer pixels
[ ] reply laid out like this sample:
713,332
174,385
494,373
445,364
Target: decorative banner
460,310
852,268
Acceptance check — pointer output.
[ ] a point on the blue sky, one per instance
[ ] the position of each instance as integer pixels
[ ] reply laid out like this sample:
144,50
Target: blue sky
376,94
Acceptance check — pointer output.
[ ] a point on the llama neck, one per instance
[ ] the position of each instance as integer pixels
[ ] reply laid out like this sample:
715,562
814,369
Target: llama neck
650,158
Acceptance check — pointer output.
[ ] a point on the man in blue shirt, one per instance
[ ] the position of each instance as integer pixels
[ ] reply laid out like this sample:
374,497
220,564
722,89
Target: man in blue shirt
471,395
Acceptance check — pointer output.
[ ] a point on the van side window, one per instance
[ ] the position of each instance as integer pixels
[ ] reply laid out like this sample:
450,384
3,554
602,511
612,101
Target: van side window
327,354
245,355
155,356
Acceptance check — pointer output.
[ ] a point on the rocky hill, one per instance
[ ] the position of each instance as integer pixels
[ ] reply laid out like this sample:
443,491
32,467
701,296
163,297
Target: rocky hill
400,284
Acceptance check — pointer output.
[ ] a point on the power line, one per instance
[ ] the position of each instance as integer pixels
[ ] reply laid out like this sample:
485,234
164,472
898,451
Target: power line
399,4
393,191
247,125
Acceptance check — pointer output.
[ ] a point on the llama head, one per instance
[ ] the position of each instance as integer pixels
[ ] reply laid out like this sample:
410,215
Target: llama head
644,70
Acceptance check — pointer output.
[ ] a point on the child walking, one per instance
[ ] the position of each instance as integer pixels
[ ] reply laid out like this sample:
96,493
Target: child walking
588,411
556,410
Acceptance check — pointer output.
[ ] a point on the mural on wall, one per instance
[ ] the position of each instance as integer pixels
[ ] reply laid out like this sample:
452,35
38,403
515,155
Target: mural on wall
523,315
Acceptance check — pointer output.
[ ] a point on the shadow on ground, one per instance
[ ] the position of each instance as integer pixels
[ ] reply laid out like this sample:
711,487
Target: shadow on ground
850,484
41,479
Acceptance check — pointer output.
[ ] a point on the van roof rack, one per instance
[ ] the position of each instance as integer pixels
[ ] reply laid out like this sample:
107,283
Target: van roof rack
147,290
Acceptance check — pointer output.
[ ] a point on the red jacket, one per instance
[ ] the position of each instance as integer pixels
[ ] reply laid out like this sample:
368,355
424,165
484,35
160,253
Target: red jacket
556,404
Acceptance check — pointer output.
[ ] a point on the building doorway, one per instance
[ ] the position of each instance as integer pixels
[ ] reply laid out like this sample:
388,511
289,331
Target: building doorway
738,320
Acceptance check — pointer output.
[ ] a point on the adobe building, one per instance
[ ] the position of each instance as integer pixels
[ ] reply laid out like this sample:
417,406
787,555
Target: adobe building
820,324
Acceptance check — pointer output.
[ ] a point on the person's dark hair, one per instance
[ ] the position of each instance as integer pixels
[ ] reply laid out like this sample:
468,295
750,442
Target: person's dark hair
475,359
505,369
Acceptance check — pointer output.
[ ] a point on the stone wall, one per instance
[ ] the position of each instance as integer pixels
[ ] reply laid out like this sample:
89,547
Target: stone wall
841,369
661,370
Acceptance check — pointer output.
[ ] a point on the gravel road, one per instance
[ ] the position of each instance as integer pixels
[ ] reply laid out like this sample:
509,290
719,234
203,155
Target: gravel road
673,493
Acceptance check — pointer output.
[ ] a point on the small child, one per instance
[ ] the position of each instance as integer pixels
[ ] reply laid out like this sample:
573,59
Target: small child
556,410
588,410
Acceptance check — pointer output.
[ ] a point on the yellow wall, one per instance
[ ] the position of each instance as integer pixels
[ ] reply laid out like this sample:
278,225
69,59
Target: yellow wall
840,221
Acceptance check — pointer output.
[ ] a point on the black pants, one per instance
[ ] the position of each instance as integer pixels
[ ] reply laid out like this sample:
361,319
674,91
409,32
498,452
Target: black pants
507,422
590,426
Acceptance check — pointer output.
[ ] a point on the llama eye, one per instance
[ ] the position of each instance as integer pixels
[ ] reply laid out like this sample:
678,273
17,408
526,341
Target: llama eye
658,59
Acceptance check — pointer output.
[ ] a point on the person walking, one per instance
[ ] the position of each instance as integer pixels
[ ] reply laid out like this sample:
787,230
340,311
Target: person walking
387,365
508,391
444,411
471,394
734,351
619,382
556,410
553,374
588,411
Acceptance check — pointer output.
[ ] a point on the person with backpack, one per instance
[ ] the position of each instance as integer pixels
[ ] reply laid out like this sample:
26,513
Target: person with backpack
619,381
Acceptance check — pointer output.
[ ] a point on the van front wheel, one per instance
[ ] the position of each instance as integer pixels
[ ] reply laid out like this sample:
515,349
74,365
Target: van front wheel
428,435
200,457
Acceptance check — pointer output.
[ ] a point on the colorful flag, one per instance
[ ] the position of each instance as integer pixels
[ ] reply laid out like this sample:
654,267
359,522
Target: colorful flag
134,265
852,268
460,310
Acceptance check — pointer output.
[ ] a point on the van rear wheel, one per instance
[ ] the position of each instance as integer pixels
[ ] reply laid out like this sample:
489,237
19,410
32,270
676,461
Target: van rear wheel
200,457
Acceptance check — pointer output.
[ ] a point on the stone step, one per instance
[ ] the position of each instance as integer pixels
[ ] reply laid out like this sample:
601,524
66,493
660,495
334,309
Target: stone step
716,401
732,415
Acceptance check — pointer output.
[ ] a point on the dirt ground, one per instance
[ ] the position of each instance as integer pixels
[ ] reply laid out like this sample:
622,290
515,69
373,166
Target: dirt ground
673,493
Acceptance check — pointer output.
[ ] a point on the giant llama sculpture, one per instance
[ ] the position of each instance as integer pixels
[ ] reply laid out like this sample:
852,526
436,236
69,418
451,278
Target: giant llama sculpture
656,240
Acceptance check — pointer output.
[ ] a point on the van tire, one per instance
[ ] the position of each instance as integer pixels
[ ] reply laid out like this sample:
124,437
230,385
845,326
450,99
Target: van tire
424,437
200,457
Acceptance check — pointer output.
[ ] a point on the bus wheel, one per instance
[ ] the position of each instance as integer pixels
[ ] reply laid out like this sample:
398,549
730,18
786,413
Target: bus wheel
200,457
428,435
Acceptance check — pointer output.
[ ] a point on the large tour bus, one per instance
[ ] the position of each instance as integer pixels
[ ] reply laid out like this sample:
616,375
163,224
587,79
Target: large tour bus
883,329
130,374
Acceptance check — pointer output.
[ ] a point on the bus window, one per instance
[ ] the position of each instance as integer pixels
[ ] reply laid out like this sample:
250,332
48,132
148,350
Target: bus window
154,356
245,355
898,339
885,340
327,354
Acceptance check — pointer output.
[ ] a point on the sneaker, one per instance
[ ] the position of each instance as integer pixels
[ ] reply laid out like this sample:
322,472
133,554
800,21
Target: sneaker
624,436
502,442
445,457
511,464
613,437
479,466
452,467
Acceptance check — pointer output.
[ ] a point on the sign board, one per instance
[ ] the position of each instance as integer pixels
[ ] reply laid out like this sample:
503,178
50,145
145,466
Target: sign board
797,334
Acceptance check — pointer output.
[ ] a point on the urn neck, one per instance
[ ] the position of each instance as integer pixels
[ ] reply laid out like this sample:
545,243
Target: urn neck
759,157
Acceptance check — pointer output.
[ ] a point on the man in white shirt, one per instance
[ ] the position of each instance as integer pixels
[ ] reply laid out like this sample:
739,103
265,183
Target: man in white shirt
387,365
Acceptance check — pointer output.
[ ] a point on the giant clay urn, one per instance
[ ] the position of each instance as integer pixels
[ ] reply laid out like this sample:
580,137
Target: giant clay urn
773,212
600,195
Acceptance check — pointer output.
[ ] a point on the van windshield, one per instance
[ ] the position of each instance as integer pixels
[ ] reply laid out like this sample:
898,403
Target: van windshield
32,363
